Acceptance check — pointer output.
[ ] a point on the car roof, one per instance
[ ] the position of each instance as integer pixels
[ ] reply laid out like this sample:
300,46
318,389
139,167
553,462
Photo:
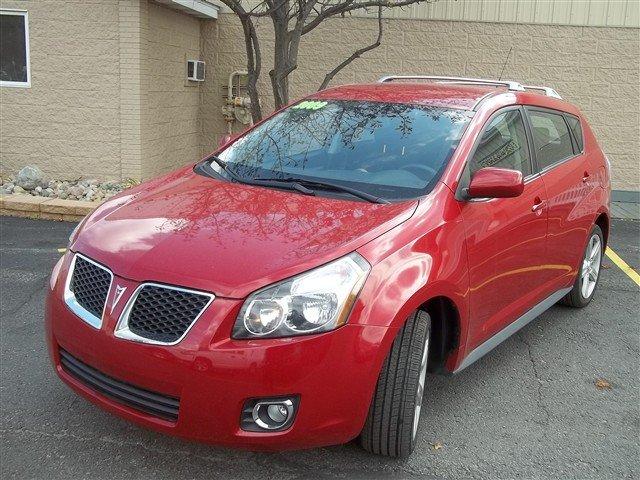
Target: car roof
446,95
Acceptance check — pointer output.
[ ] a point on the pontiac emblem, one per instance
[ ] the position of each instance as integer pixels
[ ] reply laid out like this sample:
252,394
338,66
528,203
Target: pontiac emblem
117,296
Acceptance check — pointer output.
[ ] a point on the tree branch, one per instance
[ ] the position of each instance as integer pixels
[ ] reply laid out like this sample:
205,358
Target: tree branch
291,20
271,9
235,6
351,5
329,76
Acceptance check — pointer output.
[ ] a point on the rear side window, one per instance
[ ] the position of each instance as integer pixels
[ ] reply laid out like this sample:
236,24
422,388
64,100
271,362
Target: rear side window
576,129
503,144
551,138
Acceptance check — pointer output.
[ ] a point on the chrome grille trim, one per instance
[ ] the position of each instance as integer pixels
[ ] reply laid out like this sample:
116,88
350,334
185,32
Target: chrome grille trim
122,327
70,298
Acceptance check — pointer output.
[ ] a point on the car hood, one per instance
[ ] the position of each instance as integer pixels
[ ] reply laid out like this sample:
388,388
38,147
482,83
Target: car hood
227,238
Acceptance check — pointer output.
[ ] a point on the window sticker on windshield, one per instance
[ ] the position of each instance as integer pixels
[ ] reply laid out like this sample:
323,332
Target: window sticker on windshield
309,105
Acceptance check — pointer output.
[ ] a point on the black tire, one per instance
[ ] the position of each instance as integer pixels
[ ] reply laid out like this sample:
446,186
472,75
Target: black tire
575,298
389,428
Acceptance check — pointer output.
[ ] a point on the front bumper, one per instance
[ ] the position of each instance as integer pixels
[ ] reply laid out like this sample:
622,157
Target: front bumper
334,374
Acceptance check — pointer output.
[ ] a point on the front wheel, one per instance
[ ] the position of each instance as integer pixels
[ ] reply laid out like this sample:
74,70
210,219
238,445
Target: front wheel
589,273
392,422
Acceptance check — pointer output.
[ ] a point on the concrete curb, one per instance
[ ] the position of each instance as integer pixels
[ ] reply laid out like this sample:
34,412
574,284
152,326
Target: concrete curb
45,208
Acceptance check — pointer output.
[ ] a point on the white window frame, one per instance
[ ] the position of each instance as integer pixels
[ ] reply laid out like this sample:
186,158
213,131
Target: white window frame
25,14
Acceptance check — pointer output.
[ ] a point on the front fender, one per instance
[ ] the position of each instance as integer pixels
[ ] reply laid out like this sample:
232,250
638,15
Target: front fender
423,258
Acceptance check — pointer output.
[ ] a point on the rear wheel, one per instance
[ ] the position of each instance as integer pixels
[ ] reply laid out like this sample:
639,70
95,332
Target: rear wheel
392,422
589,273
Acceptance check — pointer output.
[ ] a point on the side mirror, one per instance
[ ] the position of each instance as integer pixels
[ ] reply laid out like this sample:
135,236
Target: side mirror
495,183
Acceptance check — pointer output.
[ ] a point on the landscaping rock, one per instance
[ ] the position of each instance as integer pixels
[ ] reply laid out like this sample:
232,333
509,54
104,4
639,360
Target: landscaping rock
31,177
87,182
76,191
32,181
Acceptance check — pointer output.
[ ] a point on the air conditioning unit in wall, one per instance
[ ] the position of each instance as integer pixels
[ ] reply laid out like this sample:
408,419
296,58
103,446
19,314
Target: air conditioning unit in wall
195,70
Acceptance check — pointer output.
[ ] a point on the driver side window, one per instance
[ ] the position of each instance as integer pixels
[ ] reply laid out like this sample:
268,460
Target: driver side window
503,145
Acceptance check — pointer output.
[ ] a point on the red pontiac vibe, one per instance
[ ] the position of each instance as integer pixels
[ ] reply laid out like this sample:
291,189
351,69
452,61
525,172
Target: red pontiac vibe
293,289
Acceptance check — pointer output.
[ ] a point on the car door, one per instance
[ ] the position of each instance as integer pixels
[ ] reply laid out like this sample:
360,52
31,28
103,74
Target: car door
569,179
506,237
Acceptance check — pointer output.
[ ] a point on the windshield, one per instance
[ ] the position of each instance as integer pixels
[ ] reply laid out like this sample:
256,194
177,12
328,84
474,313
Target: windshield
390,150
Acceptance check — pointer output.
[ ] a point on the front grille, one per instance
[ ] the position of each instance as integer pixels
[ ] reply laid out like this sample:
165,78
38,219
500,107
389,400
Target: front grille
90,285
164,314
137,398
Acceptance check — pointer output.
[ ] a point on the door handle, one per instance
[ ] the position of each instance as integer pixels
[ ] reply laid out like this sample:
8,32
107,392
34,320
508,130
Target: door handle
538,206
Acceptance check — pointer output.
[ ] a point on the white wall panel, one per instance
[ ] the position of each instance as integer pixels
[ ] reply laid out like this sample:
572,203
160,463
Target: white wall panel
595,13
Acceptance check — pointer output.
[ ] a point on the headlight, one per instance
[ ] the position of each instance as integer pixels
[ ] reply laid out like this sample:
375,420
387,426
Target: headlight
316,301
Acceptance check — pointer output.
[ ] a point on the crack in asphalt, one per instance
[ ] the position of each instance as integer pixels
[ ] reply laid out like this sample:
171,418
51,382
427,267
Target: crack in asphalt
25,303
536,374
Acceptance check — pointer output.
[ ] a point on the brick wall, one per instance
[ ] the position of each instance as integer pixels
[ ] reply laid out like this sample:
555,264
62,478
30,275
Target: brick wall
108,96
68,122
593,67
171,128
132,32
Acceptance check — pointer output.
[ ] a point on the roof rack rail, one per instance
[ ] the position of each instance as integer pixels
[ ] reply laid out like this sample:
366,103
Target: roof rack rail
460,80
549,92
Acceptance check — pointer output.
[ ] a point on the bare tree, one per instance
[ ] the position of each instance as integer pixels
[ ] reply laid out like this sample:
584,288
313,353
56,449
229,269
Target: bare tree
292,19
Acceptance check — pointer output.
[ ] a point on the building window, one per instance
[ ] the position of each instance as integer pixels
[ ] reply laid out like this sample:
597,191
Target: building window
14,49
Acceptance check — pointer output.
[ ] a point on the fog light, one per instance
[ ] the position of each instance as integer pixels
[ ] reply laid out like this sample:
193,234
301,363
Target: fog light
268,414
278,412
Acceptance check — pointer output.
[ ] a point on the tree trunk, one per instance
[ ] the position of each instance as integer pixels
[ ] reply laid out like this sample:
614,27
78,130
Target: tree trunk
279,82
280,73
254,64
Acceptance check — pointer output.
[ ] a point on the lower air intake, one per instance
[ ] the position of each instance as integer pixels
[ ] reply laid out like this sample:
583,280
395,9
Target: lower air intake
145,401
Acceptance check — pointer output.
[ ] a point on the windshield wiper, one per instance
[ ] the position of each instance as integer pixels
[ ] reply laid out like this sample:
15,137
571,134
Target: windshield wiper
299,184
327,186
261,182
222,164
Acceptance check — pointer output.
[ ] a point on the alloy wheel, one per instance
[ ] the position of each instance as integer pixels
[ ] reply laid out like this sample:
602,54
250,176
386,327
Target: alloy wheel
591,266
420,393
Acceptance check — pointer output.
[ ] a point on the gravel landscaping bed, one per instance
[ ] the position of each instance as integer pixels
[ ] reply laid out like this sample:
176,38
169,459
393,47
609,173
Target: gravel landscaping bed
32,181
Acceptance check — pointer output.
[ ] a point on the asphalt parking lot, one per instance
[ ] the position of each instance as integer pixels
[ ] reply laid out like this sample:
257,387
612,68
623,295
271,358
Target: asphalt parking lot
530,409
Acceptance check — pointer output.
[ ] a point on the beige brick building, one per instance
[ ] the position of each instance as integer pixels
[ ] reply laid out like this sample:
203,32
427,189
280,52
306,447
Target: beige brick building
106,92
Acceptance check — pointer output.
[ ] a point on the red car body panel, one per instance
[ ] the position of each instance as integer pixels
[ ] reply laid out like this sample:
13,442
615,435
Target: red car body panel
492,260
577,193
213,375
508,271
229,238
496,182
